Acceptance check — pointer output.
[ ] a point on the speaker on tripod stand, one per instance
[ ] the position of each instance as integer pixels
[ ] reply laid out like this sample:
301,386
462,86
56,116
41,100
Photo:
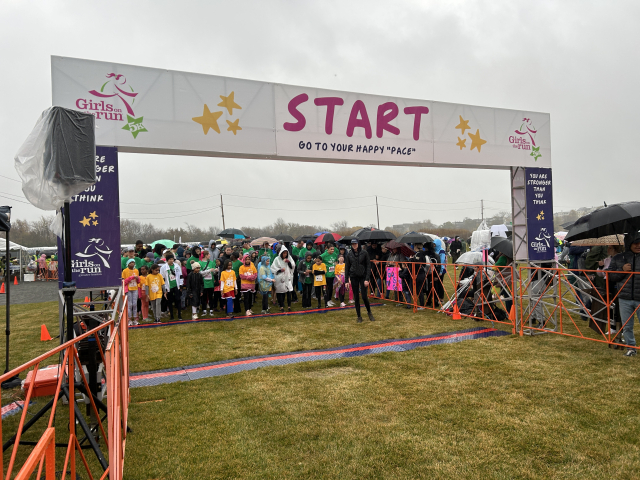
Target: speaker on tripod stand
56,162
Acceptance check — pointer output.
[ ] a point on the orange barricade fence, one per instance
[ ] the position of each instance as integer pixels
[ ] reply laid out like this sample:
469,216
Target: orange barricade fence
66,417
52,271
482,292
588,304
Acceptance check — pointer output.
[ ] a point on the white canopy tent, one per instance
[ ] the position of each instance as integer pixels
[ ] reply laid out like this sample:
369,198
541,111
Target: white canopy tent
14,247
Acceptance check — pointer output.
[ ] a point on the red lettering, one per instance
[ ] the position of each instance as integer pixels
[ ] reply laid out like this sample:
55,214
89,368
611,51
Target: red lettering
293,110
386,112
81,103
417,111
363,122
330,103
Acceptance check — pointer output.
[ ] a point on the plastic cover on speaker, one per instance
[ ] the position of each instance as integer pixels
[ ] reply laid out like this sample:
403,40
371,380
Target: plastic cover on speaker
58,158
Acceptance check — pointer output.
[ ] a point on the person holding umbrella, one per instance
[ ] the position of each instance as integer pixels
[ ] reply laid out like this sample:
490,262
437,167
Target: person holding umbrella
629,297
357,273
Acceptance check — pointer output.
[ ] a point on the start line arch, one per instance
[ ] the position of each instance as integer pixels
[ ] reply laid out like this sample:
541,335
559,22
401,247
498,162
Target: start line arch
148,110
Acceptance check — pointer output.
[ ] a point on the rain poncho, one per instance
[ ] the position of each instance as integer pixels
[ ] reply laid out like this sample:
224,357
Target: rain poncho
442,255
283,272
264,272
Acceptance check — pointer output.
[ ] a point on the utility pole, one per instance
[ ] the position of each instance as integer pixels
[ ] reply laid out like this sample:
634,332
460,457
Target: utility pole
377,213
222,209
482,210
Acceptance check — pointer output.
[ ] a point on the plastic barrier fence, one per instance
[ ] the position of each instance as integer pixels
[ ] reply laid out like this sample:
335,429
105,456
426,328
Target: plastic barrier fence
116,361
587,304
482,292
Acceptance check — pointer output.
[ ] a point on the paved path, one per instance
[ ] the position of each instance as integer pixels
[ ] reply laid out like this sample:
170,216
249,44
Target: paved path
32,292
226,367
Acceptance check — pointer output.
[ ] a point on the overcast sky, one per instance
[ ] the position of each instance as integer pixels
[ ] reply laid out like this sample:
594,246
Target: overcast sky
577,60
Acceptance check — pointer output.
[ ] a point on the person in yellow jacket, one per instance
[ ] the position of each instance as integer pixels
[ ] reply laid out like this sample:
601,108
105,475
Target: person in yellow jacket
228,286
248,275
319,272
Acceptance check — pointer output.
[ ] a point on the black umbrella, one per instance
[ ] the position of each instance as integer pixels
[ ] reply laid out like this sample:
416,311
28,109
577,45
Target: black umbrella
361,231
376,236
567,225
306,238
231,233
611,220
502,245
284,238
347,239
413,237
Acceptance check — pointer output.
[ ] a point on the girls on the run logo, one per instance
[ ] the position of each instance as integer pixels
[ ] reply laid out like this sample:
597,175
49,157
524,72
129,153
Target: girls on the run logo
115,89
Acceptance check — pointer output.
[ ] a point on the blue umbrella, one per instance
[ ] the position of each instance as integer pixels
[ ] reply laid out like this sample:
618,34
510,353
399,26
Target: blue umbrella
319,233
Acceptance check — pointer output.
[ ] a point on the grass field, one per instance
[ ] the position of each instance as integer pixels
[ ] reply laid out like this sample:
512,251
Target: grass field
507,407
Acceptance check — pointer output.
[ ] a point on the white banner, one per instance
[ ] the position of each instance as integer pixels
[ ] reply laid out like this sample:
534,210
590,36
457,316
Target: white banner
150,110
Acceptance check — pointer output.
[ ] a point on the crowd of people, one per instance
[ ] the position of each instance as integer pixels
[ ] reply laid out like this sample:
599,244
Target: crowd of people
162,281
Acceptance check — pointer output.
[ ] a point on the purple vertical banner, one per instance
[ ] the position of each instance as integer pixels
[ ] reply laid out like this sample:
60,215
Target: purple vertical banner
540,236
95,228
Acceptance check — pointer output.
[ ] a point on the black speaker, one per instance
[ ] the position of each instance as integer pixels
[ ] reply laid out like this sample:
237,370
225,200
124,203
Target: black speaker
70,147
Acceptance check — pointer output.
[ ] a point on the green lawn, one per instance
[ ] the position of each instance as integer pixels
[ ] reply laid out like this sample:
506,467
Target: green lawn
507,407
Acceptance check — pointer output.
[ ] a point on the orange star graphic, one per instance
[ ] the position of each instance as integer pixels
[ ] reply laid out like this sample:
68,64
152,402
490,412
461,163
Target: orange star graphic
463,125
462,143
85,222
234,126
208,120
476,141
229,103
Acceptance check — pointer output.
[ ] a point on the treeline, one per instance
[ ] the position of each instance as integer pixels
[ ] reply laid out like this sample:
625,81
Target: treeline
37,233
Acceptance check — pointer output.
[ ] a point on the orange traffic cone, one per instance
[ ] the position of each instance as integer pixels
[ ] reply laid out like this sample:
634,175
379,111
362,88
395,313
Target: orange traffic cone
512,313
44,334
456,312
2,288
86,299
15,280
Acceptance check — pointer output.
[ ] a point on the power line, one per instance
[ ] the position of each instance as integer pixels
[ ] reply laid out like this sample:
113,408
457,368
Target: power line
300,210
14,199
428,203
169,203
298,199
431,209
146,215
162,213
12,179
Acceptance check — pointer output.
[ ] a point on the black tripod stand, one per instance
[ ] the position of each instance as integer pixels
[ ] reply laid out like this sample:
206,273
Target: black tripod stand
87,352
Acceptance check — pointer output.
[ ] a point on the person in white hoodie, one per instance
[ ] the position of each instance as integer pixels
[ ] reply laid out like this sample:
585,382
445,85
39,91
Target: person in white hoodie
172,275
282,268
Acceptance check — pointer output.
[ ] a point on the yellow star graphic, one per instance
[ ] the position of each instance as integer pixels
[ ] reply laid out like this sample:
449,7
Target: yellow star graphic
463,125
95,222
93,215
234,126
476,141
208,120
462,143
229,103
540,216
85,222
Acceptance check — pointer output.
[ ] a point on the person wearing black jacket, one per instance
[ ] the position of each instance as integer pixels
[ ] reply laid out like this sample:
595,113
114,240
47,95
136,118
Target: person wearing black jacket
357,272
629,287
455,249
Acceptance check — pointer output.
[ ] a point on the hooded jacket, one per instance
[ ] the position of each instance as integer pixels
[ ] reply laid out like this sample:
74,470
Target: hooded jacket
264,273
215,253
629,285
283,272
